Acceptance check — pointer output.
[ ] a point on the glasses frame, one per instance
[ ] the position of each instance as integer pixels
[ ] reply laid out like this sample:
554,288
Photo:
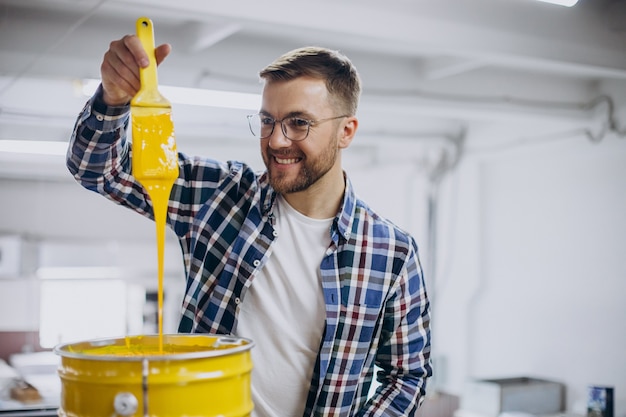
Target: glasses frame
310,123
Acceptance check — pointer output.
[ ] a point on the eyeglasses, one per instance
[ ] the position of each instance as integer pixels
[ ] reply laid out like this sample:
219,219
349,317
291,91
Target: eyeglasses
294,128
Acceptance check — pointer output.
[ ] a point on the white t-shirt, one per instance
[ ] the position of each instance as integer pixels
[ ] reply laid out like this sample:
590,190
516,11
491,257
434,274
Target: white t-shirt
283,313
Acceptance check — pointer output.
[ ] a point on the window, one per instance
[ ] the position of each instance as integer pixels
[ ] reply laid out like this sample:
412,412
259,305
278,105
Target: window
80,309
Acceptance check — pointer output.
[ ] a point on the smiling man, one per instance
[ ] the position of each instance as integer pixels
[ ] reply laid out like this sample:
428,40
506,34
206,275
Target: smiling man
289,257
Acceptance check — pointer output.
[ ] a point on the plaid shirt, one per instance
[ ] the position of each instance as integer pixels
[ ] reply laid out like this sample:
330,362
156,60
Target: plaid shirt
377,310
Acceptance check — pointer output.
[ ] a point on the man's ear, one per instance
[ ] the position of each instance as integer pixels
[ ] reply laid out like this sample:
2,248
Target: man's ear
350,126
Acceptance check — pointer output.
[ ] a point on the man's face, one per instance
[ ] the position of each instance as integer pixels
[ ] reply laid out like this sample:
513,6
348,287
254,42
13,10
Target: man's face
294,166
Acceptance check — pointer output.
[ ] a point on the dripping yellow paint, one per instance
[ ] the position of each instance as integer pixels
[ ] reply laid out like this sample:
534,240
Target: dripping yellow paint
154,155
155,166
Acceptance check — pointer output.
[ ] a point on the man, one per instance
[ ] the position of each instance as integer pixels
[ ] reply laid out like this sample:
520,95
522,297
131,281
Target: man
288,257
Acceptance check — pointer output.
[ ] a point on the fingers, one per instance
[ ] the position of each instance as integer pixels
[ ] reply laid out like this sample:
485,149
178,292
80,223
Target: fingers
120,68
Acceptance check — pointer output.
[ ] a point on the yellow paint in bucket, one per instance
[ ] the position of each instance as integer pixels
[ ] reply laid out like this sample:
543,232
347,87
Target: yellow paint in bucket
193,375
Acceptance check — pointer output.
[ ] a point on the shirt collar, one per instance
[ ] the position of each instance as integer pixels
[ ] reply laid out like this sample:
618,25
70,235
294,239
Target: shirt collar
345,217
342,225
268,199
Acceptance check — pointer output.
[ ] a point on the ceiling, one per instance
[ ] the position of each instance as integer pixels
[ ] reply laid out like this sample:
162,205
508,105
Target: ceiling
470,73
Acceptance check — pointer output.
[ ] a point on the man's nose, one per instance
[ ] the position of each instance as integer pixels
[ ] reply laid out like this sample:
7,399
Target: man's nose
278,138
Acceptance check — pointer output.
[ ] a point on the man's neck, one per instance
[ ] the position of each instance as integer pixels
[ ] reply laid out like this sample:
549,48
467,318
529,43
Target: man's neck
322,199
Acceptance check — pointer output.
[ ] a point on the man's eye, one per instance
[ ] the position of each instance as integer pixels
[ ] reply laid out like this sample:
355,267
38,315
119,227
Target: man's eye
267,121
298,123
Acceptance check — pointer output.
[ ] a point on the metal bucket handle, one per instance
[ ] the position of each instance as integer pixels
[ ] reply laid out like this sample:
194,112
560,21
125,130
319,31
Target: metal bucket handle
125,404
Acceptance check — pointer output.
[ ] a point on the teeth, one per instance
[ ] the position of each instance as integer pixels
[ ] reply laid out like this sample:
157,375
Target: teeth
287,161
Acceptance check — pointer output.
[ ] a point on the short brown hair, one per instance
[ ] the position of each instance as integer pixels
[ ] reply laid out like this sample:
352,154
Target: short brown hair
341,77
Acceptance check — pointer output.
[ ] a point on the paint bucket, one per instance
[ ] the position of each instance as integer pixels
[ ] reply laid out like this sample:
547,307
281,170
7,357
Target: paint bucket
180,375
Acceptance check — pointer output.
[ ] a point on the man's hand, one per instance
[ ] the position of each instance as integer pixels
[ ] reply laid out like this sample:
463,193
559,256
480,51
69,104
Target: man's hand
120,68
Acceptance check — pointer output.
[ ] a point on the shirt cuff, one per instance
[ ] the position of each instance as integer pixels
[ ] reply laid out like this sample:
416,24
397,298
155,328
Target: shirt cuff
99,116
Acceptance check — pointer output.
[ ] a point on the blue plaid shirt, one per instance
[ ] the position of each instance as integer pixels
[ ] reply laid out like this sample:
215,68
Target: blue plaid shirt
377,310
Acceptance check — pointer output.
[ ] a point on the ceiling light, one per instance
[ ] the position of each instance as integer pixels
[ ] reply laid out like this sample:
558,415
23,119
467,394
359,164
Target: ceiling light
196,96
566,3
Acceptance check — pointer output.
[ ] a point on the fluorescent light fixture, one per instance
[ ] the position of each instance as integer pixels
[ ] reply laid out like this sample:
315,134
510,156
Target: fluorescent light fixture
566,3
33,147
212,98
196,96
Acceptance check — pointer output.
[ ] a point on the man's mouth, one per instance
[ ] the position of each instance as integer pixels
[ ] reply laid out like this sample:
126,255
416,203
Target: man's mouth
286,161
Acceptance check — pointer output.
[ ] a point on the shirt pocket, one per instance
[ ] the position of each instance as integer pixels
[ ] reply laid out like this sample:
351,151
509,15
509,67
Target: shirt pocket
357,322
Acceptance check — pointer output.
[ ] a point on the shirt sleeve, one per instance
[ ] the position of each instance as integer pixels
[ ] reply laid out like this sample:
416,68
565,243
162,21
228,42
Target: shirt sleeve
97,128
404,354
98,154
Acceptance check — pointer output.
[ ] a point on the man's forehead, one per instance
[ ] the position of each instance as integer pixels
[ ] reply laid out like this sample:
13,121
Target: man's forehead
302,95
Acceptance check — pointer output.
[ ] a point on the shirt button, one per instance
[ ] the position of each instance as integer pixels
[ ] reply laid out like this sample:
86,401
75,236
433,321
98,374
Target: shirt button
275,233
256,262
100,117
237,300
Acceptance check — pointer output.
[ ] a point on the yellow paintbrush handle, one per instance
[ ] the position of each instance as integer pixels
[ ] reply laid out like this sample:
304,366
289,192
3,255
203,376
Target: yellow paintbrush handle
148,95
145,33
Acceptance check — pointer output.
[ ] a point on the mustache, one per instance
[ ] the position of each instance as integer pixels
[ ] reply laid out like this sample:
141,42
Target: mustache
285,154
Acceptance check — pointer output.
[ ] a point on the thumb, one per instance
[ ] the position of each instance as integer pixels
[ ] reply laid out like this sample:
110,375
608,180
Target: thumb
161,52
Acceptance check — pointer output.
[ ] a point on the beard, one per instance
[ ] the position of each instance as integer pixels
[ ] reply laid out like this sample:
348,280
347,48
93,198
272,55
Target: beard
310,171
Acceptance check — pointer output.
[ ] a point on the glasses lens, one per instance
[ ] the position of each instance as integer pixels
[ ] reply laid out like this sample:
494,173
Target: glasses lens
296,128
254,121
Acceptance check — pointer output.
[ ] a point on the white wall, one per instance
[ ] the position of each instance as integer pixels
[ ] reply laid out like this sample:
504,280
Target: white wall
532,272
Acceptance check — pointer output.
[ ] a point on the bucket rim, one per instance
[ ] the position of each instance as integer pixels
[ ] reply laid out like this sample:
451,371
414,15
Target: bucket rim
240,344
